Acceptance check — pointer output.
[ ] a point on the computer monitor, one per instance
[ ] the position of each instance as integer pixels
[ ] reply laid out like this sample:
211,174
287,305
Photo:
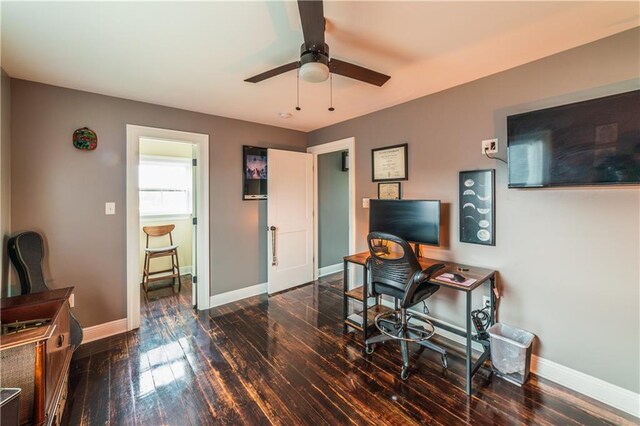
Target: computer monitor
416,221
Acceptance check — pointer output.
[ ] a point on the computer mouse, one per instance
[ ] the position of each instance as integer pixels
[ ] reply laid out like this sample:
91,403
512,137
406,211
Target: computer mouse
459,278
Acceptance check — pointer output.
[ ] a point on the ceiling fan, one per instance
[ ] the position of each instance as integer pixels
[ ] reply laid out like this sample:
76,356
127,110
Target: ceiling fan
315,64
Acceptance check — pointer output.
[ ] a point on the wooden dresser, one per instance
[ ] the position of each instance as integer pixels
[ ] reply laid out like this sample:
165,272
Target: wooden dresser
37,360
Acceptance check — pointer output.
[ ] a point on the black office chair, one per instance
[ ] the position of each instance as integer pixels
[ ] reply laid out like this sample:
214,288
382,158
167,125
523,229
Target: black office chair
397,273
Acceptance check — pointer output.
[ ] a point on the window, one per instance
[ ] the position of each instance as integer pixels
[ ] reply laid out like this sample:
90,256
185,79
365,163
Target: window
165,186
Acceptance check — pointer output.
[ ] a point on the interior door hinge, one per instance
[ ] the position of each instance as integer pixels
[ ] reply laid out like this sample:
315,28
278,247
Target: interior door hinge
194,279
194,220
194,162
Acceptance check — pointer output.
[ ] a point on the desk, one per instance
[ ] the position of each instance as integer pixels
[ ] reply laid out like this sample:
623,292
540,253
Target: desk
364,320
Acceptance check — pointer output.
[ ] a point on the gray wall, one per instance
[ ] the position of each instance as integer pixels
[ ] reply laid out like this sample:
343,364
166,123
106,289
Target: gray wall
61,191
5,180
568,257
333,209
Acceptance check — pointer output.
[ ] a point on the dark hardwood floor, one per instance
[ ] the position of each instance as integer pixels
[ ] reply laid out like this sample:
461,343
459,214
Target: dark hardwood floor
285,360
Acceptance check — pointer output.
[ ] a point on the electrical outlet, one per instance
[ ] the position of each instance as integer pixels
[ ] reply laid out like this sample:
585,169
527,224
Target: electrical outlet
490,146
365,203
72,300
486,301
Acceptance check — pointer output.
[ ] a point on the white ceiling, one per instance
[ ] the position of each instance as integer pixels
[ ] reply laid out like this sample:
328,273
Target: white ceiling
195,56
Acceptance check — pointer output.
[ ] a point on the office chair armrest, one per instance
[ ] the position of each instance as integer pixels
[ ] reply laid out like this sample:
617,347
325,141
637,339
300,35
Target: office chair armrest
419,278
426,274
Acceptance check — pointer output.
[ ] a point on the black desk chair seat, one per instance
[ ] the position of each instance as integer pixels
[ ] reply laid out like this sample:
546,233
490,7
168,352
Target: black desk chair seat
423,291
398,274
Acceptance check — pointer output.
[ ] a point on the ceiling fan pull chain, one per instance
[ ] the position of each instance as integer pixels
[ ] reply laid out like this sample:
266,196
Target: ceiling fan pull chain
298,90
331,108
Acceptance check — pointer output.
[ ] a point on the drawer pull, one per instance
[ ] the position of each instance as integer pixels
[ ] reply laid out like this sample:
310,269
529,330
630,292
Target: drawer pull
60,340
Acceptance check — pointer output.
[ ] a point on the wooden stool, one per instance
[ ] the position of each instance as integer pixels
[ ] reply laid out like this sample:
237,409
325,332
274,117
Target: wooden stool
152,253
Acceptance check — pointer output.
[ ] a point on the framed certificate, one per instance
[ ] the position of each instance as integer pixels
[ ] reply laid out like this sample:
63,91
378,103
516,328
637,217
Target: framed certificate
389,191
389,163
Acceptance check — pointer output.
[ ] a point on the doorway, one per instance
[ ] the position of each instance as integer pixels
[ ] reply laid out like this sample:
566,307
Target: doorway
334,224
153,199
167,199
333,212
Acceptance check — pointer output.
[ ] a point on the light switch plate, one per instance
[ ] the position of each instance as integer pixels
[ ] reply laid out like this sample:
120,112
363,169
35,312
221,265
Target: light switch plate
72,300
365,203
110,208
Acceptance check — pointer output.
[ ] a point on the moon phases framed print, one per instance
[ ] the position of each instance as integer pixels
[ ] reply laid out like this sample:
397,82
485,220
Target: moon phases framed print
477,207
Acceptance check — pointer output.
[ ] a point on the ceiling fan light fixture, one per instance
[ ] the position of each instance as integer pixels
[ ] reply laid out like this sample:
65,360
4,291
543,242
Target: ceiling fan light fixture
314,62
314,72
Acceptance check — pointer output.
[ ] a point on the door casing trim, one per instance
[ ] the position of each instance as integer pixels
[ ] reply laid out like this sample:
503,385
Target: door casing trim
348,144
134,133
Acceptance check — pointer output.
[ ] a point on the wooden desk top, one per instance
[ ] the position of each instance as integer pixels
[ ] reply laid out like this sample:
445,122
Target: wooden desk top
479,274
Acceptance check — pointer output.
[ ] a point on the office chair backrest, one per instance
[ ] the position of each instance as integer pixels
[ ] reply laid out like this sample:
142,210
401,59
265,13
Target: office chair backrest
395,270
26,251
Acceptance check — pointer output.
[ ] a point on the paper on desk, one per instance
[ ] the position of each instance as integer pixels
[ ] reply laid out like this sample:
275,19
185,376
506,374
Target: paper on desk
448,278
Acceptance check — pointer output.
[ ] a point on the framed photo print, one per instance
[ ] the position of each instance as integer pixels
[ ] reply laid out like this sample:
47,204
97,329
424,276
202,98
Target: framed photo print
390,163
389,191
254,173
477,207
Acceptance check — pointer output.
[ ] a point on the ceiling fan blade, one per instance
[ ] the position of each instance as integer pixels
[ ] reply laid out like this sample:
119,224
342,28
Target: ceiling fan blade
272,73
356,72
312,19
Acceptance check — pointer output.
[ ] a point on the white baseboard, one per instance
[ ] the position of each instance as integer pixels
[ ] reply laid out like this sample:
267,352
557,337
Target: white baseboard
608,393
331,269
184,270
598,389
232,296
102,331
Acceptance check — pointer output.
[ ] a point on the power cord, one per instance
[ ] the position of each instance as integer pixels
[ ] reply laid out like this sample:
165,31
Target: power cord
481,318
495,158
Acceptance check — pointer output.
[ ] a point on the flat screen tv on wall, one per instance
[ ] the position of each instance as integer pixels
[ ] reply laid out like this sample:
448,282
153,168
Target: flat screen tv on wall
595,142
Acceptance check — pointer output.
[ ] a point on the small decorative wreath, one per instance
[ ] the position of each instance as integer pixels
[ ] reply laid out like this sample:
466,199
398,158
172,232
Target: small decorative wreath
85,139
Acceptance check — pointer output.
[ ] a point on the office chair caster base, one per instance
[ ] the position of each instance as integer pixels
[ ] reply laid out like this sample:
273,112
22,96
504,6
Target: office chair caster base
445,363
369,349
404,332
404,374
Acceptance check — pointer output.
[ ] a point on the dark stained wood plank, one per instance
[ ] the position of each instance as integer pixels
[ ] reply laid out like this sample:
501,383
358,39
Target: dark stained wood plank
98,390
285,360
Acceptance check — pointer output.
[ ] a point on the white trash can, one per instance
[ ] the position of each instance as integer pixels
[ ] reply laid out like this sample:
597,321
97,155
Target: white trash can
511,352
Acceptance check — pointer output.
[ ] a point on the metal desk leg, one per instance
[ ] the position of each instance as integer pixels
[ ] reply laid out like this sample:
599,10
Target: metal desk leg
492,301
468,332
365,296
345,299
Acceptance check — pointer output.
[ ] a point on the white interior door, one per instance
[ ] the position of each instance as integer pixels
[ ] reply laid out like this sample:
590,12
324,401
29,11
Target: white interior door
289,219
